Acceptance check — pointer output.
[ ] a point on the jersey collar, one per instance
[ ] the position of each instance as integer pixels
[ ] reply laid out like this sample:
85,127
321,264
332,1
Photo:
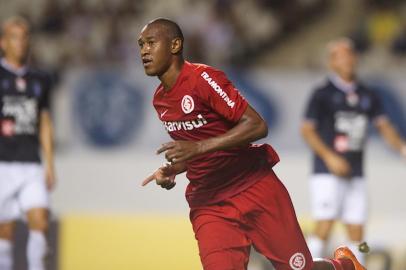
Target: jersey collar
341,84
17,71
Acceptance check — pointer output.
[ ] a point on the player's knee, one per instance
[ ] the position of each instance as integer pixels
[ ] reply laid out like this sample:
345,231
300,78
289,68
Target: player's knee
38,220
40,224
7,231
323,229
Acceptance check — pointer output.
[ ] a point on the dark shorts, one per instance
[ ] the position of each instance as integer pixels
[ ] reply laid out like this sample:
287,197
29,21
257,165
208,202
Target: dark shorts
262,216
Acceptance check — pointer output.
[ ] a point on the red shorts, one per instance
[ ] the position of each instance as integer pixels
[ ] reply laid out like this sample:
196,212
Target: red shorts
262,216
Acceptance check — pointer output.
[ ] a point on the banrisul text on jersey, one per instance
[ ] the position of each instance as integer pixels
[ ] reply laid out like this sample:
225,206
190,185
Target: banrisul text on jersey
171,126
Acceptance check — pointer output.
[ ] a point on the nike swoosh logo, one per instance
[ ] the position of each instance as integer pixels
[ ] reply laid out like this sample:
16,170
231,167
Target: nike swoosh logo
163,113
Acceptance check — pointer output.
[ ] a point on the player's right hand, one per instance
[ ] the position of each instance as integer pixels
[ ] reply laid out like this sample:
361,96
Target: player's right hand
164,177
50,177
338,165
403,151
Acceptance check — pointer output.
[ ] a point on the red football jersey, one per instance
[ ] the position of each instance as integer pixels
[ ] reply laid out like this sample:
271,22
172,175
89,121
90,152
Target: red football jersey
202,104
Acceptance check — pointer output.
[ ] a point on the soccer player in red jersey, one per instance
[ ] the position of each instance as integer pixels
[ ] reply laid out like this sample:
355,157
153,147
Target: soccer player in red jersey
236,200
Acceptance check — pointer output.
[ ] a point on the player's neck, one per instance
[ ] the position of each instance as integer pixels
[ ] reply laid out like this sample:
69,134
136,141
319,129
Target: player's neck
168,79
15,64
347,78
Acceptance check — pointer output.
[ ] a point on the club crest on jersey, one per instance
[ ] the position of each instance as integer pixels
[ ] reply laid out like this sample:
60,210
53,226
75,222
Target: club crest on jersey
297,261
187,104
21,84
352,99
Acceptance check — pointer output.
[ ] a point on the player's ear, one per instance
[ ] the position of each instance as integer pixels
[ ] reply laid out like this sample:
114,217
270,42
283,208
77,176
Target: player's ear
177,46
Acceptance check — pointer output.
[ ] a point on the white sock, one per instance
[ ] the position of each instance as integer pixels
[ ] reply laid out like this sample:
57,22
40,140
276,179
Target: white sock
354,248
6,254
36,250
316,246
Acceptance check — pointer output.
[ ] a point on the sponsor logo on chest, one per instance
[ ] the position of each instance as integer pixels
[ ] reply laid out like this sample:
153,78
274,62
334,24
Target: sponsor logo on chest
171,126
24,114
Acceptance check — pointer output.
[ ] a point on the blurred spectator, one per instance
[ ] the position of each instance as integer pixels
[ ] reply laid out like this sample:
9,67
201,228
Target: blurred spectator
383,25
53,18
85,32
399,43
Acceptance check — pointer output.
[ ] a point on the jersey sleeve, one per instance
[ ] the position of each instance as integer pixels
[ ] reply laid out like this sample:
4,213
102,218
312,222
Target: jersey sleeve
377,109
217,91
44,102
314,108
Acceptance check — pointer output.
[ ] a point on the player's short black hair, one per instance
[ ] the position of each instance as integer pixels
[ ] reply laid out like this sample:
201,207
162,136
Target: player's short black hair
172,28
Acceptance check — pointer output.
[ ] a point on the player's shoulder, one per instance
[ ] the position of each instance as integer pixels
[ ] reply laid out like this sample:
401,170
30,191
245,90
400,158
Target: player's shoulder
205,75
39,73
199,67
364,88
2,70
42,79
203,71
323,89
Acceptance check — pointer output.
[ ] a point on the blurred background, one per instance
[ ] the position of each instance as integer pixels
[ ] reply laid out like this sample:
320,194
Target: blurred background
107,131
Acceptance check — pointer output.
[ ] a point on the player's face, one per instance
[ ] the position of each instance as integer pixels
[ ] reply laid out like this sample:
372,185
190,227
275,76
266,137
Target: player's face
15,42
155,49
343,61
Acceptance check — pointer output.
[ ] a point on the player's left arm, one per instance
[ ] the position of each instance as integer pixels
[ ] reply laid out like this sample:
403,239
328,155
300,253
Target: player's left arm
249,128
46,141
390,135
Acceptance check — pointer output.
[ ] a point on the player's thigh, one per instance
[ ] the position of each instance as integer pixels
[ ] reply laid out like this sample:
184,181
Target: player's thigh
11,181
355,208
34,197
326,196
34,193
222,243
274,229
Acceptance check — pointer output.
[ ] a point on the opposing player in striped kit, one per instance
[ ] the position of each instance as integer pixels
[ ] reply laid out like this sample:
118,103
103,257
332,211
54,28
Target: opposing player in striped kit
25,132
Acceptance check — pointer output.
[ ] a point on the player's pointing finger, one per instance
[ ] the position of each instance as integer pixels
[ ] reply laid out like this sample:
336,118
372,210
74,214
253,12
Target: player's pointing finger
148,179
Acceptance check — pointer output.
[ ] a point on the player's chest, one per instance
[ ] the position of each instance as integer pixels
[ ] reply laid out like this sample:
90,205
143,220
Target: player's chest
21,87
181,107
184,114
348,103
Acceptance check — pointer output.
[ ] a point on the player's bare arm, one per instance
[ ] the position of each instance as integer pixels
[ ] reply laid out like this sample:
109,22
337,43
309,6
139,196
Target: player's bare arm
46,139
250,128
335,163
390,135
